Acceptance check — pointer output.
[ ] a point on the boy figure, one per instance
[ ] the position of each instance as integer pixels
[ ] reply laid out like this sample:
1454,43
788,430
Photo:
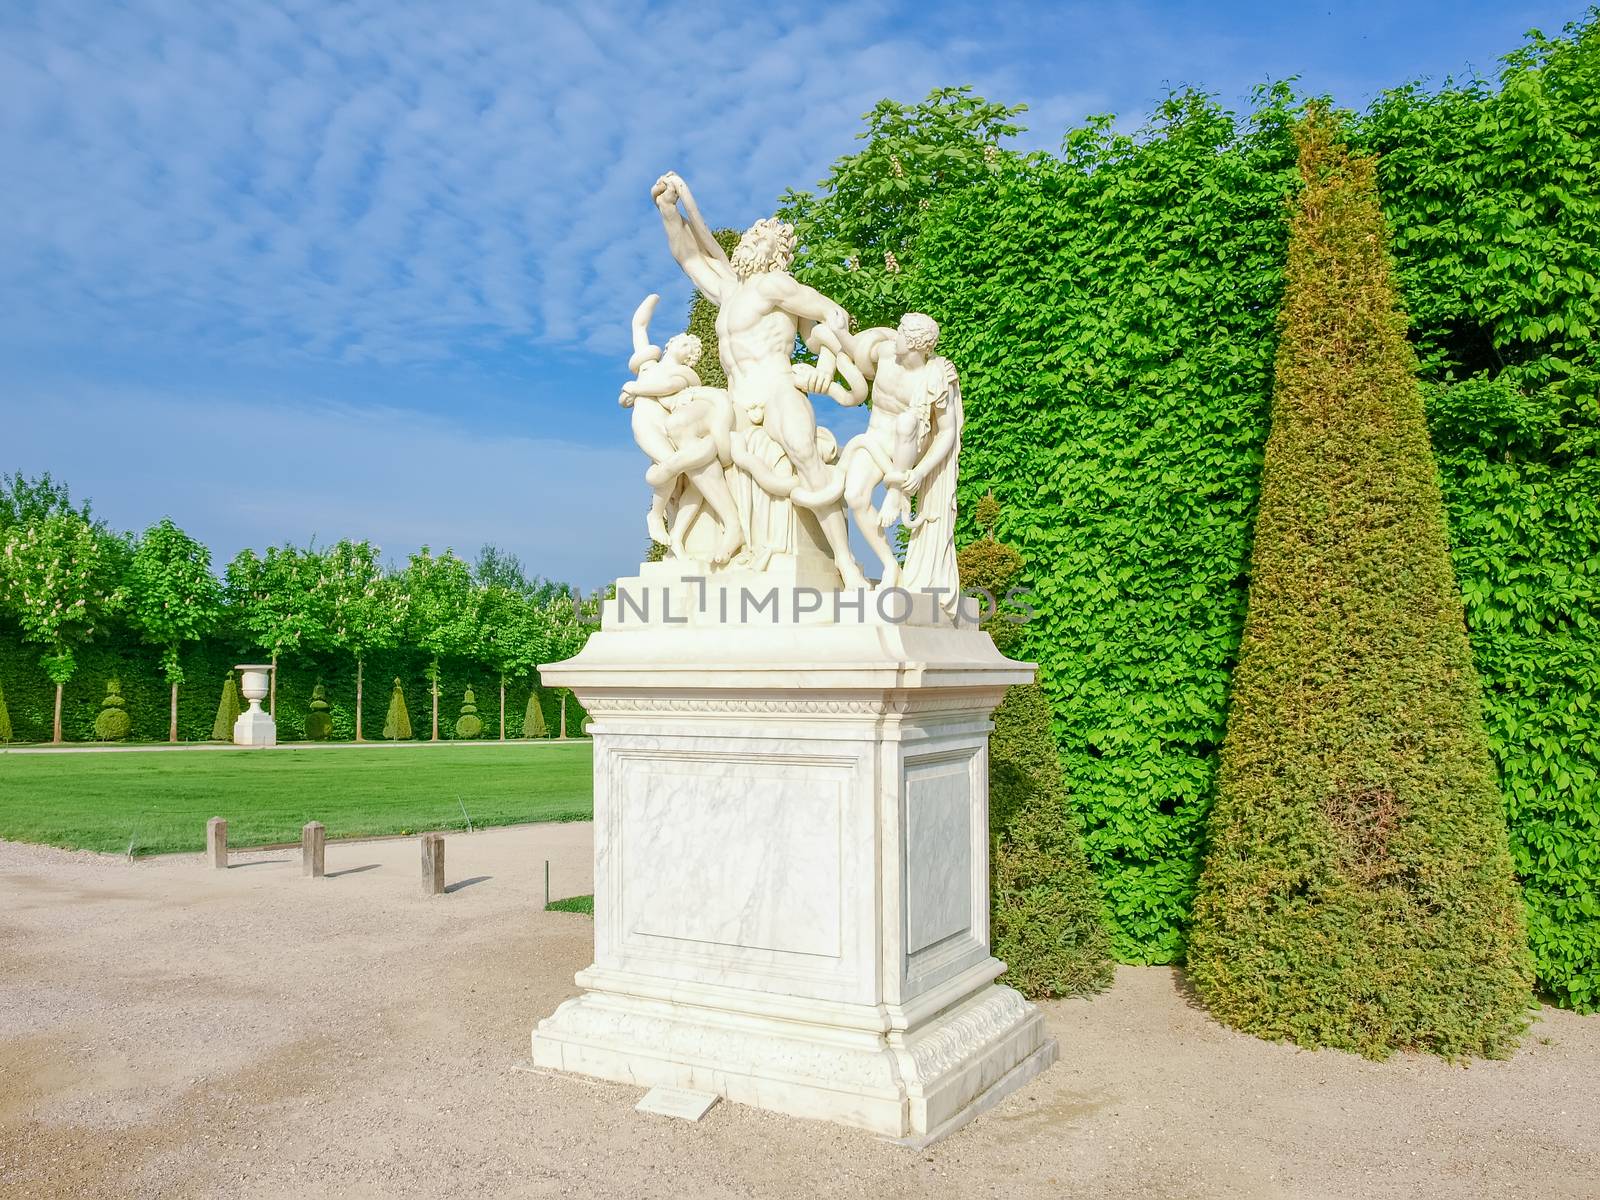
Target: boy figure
913,429
686,431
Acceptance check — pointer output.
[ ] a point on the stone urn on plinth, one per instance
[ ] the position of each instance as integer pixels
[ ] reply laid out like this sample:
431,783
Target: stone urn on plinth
255,726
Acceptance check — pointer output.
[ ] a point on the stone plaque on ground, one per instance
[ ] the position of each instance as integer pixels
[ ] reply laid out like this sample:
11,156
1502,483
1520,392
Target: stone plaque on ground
677,1102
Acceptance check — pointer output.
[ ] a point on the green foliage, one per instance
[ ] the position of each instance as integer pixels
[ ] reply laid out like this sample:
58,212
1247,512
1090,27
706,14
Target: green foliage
468,724
1046,912
1120,417
442,613
1046,918
276,598
60,583
5,717
358,607
25,501
319,725
533,723
172,596
703,324
1493,192
397,724
228,710
572,904
858,237
1358,891
112,725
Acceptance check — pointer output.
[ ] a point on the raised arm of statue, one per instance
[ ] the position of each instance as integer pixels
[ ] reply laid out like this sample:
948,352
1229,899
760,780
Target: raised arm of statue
712,275
709,246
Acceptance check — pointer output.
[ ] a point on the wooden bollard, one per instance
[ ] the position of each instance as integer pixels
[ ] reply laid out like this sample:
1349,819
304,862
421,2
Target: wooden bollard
313,849
217,843
433,864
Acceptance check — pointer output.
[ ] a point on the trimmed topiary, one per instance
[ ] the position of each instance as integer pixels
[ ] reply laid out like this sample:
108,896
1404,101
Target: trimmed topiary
1358,889
5,718
1046,912
319,721
533,725
227,711
397,724
469,724
112,724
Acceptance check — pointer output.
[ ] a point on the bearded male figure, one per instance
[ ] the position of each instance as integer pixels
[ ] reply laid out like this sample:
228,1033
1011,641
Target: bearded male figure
760,309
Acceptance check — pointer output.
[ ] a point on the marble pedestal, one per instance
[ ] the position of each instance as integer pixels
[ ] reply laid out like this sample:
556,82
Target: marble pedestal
791,871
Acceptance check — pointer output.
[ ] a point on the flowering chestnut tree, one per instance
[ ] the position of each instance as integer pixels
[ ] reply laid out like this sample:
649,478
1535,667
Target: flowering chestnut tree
173,598
60,582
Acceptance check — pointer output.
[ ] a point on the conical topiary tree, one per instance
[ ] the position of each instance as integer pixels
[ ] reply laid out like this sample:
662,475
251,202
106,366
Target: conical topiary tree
5,718
1358,889
1046,913
319,721
397,724
533,725
227,711
469,724
112,723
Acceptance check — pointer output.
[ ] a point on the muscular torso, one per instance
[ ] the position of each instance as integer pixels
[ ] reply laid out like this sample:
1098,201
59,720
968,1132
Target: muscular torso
755,338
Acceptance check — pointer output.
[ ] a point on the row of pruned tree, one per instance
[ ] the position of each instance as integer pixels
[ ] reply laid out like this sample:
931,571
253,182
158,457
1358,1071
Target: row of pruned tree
66,578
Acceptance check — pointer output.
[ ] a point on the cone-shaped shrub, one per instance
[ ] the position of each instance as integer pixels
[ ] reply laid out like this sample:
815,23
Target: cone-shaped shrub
1046,919
227,711
469,724
319,721
1358,890
5,718
533,725
112,723
397,724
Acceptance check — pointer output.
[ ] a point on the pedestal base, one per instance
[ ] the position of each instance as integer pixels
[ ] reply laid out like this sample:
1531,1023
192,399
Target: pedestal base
255,729
791,886
819,1060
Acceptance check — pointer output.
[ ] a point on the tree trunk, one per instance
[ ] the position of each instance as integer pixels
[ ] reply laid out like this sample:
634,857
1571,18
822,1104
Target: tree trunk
272,688
56,735
172,729
563,716
435,700
502,708
359,738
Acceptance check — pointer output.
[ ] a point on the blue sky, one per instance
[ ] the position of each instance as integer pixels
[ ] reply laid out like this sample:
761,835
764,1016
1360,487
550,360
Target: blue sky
364,268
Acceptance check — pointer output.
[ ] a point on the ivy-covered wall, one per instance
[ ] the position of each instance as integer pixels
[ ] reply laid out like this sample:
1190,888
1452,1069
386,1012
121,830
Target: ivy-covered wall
30,695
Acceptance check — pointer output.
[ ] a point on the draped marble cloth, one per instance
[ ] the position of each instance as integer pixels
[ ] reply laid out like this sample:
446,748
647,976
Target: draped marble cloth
931,554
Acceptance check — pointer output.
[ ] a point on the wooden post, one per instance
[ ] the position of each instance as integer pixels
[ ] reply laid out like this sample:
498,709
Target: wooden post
217,843
433,864
313,849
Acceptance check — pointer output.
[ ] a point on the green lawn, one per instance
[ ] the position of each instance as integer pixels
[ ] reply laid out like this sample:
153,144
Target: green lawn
161,800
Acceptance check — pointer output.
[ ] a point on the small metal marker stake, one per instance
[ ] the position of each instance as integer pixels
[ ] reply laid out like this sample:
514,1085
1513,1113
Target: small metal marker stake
217,843
465,814
433,864
547,883
313,849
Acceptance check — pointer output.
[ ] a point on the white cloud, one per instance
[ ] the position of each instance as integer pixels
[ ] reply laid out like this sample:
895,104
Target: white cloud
380,182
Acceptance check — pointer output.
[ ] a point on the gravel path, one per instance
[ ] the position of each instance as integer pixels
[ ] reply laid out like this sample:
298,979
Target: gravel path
170,1030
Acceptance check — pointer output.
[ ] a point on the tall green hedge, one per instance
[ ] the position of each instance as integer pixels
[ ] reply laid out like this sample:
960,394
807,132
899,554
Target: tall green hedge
1112,312
1493,192
206,665
1112,309
1358,890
